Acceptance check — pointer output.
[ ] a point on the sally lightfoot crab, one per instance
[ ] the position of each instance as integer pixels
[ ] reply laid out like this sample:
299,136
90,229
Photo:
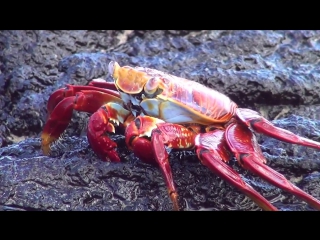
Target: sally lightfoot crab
158,110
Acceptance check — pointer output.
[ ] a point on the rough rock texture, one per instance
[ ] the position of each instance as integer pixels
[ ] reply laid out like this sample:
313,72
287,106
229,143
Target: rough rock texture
274,72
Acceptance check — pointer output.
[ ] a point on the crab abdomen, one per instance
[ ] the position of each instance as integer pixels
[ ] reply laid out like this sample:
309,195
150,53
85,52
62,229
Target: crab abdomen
185,101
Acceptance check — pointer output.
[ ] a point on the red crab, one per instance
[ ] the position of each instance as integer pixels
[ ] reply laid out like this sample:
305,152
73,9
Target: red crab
157,110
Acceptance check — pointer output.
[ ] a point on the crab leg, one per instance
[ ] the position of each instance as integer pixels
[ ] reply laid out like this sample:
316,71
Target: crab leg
138,135
85,101
212,151
71,90
261,125
249,156
162,134
176,137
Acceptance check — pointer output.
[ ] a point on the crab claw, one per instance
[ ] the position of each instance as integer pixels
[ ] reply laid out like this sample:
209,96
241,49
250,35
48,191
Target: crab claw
87,100
58,96
101,83
101,144
100,124
95,87
56,123
141,146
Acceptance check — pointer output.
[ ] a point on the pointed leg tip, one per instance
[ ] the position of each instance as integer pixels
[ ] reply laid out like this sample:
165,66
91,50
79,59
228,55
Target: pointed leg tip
46,140
174,199
45,149
267,207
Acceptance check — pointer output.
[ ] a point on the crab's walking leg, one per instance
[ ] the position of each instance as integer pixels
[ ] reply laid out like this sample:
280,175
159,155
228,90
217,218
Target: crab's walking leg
213,152
244,145
85,101
72,90
176,137
262,125
162,134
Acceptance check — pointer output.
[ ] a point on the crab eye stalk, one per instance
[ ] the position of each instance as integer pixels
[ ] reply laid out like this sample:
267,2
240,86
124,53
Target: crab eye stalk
151,87
113,68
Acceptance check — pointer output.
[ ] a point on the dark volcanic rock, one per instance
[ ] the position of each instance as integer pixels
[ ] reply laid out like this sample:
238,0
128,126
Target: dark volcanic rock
273,72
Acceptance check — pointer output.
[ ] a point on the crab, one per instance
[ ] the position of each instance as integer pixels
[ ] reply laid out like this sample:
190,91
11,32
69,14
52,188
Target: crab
158,111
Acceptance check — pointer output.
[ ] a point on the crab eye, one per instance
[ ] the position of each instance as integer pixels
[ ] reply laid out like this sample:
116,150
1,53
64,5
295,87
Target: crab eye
111,67
151,86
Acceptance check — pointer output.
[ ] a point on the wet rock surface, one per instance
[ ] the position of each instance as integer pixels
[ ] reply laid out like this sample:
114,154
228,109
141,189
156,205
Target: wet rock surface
274,72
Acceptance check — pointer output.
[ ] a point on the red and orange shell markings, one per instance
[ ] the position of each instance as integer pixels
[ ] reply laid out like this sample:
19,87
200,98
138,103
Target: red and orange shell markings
203,102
